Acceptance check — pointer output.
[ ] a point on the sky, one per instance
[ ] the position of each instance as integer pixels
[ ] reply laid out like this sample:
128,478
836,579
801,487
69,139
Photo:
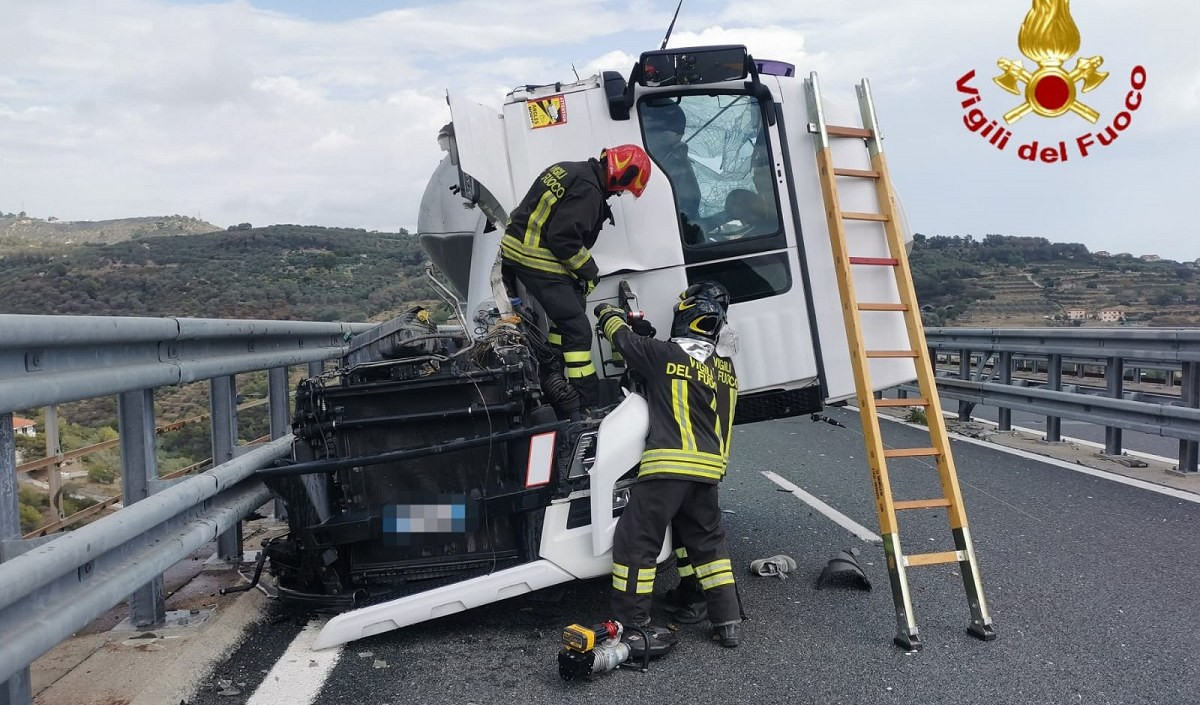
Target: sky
326,111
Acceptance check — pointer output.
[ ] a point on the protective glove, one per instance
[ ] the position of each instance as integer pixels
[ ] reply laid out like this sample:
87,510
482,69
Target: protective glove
643,328
606,311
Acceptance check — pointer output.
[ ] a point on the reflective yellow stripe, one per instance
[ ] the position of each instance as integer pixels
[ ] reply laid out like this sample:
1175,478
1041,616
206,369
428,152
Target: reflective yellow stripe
686,570
612,325
696,457
679,469
570,356
620,571
679,404
681,553
514,251
723,578
537,219
554,339
645,588
619,584
728,436
646,574
579,259
714,567
581,371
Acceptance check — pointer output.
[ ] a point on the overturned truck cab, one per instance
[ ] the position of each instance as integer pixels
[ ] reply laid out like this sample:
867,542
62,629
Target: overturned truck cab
431,473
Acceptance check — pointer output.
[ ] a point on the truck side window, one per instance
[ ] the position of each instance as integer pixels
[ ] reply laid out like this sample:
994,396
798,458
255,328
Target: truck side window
713,149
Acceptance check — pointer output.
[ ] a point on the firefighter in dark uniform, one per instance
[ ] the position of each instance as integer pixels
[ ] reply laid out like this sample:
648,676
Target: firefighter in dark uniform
691,392
546,246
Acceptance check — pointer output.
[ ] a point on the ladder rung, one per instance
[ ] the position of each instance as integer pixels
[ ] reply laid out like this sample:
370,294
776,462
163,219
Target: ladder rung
932,558
891,353
882,307
922,503
913,401
910,452
860,173
843,131
850,215
877,261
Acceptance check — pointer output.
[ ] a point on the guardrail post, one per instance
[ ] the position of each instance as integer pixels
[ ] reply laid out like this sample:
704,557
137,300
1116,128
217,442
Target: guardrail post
277,393
139,480
1114,374
17,689
1189,395
964,372
54,472
222,402
1005,415
1054,383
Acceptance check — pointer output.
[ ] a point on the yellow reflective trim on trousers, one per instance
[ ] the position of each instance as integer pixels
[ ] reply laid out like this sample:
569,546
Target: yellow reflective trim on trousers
619,584
685,570
577,356
681,553
679,405
723,578
677,469
612,325
645,588
620,571
578,259
537,219
587,370
646,574
714,567
554,339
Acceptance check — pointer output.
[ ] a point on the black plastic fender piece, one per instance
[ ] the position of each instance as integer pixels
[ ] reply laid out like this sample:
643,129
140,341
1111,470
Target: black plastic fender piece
843,571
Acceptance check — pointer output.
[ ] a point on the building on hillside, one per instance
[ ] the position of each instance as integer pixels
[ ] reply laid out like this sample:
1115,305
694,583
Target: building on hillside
1123,254
1150,258
1101,253
1076,314
24,427
1111,315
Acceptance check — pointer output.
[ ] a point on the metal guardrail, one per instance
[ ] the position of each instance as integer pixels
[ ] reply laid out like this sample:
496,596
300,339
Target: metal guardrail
52,586
1113,349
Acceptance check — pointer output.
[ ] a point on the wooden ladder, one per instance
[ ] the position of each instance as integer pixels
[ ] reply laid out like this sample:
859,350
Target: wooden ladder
939,447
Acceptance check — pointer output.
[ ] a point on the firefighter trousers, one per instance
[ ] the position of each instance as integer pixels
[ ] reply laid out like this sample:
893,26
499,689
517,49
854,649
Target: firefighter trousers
691,508
570,328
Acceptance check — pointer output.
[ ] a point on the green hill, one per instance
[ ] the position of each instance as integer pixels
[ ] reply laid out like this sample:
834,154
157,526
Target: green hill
278,272
1004,281
55,232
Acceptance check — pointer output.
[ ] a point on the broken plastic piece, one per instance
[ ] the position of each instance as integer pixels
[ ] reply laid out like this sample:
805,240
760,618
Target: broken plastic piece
843,571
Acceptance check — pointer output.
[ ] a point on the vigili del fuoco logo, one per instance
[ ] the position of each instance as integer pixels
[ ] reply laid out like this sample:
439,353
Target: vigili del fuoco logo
1050,38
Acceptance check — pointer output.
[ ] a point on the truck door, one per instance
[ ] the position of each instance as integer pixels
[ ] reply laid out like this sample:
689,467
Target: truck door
721,155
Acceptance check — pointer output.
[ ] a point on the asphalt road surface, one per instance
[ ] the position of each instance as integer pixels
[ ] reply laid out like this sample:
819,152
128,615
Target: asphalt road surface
1091,583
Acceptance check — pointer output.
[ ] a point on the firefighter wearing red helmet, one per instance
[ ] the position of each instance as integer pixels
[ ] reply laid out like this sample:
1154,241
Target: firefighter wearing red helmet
547,241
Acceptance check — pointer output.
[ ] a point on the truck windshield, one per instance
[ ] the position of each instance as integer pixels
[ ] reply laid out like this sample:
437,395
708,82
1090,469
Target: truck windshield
713,149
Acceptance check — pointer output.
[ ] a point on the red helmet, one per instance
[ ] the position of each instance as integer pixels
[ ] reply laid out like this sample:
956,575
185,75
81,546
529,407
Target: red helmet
628,168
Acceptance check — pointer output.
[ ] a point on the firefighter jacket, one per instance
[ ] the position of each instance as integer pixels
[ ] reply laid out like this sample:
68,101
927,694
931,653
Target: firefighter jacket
552,228
691,393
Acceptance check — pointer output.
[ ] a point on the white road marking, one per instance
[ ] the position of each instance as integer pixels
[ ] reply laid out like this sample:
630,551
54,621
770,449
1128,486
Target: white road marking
298,675
840,519
1103,474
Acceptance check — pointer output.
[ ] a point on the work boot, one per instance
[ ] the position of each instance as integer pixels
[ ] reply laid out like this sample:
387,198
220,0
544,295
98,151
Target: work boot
686,602
726,634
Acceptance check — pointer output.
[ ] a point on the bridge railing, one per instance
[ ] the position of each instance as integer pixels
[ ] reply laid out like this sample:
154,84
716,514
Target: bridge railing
55,585
985,376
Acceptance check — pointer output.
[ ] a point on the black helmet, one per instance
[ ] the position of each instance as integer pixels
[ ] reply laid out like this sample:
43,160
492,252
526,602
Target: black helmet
707,290
698,317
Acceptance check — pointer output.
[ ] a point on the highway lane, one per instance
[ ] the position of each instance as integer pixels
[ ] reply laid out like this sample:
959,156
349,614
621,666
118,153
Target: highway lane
1090,583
